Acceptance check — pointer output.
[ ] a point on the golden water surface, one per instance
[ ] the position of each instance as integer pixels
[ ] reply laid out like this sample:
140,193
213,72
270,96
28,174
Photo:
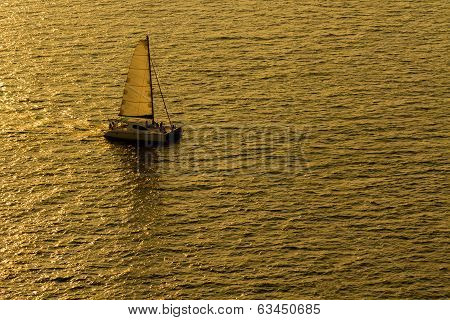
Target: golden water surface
314,162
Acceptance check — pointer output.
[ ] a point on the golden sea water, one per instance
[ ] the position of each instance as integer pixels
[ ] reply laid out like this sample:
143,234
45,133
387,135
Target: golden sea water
314,163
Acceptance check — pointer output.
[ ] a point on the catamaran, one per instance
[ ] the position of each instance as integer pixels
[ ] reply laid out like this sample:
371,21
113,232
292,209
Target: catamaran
136,123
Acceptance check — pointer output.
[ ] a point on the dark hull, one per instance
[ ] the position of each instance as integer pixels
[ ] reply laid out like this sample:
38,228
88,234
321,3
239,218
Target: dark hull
144,138
174,136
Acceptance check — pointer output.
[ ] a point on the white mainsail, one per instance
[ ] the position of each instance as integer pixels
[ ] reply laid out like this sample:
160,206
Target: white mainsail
137,95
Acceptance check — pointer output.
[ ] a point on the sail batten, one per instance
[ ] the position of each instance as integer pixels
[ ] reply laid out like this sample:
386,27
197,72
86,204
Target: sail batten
137,93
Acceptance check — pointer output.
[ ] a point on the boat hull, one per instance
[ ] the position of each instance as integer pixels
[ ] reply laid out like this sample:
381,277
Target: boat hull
148,138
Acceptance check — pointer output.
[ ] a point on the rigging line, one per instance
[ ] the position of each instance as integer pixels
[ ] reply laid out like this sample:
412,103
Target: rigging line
160,91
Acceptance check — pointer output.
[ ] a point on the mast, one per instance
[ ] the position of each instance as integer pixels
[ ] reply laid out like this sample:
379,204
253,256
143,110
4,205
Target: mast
150,73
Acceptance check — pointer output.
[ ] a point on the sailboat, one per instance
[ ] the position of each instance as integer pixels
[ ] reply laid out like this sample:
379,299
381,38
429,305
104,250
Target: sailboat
137,123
